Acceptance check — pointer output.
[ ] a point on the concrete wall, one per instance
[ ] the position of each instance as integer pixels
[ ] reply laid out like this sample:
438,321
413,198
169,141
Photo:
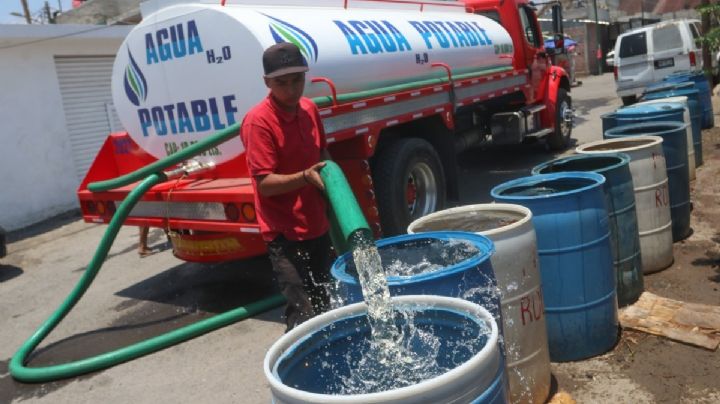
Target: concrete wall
38,177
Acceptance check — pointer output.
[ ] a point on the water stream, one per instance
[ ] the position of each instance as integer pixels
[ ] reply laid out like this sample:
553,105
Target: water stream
399,353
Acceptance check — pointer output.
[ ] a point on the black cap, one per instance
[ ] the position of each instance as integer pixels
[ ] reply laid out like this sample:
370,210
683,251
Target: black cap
283,58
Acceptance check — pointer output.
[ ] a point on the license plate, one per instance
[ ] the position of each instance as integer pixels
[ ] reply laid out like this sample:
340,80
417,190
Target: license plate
663,63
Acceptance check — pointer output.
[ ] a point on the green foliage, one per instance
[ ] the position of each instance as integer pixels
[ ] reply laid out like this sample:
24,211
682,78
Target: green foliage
712,37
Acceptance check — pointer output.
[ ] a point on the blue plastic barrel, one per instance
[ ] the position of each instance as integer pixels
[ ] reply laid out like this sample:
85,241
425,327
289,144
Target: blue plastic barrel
609,121
703,86
452,263
666,111
573,236
693,97
666,86
620,197
675,150
319,361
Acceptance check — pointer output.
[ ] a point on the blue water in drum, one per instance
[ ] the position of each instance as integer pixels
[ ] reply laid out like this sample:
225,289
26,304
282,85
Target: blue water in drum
321,362
454,264
573,236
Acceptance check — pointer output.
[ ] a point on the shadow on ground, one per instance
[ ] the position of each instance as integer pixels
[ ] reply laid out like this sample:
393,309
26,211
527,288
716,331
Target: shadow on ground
8,272
174,298
45,226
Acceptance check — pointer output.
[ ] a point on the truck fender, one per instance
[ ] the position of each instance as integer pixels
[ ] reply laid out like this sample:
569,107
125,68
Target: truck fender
557,78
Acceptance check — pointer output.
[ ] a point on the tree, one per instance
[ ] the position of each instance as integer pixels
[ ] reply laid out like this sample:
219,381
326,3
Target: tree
710,38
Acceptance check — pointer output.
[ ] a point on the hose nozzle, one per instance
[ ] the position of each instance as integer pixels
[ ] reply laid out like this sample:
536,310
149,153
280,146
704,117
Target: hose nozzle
191,167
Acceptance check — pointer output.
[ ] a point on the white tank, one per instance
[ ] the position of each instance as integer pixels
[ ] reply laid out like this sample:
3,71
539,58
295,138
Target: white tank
189,70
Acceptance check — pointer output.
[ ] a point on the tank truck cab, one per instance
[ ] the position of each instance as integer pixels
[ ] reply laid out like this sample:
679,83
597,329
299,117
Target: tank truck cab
545,108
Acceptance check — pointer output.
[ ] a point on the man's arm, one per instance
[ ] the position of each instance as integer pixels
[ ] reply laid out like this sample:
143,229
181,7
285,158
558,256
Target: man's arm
276,184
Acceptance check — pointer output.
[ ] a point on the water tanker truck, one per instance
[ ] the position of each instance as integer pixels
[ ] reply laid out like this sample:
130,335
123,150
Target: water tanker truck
402,87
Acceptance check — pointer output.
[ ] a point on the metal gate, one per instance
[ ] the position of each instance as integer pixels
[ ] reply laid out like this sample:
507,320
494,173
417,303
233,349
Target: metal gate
89,111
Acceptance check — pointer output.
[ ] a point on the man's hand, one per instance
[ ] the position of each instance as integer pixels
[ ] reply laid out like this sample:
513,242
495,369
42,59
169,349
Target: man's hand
312,175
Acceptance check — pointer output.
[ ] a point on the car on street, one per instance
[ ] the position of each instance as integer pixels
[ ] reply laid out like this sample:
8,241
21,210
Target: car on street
646,55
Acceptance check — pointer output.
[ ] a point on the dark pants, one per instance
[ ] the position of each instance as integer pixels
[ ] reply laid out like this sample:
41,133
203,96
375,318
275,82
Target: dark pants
302,269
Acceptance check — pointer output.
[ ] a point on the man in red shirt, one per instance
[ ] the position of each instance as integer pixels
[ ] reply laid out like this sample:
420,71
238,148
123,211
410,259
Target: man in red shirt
284,148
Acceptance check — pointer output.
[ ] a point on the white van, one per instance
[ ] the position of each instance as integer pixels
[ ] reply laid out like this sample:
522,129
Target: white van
647,54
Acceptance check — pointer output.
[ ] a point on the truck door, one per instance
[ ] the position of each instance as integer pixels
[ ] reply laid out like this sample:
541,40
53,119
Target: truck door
535,57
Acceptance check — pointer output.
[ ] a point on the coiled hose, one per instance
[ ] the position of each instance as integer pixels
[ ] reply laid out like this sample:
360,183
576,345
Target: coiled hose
150,175
346,218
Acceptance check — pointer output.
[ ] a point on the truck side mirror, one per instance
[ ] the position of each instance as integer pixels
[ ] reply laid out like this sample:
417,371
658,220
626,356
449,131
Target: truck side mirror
557,18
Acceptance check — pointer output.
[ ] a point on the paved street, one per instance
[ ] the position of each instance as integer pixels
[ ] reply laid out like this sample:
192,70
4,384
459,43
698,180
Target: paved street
135,298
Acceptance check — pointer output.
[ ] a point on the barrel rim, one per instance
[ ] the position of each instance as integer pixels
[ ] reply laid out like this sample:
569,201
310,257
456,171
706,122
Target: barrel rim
598,179
299,334
624,160
486,247
684,92
502,207
656,109
674,126
674,99
655,140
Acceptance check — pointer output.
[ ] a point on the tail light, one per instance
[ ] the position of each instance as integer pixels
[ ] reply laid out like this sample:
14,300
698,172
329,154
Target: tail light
693,60
110,205
101,208
231,212
91,207
615,69
248,212
244,213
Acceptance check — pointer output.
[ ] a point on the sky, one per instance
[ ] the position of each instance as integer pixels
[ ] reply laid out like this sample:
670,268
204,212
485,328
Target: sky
35,6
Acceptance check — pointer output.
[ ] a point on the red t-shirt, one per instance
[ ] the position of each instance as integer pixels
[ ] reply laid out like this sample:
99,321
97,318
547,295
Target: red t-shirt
280,142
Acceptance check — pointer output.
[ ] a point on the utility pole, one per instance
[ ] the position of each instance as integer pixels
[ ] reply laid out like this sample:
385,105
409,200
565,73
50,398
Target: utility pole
26,11
598,49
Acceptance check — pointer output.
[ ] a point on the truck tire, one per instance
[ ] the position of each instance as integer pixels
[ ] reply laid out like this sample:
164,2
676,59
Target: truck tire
560,138
409,183
629,100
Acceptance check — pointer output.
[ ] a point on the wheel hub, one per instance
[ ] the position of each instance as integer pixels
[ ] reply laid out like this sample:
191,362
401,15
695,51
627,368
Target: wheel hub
421,190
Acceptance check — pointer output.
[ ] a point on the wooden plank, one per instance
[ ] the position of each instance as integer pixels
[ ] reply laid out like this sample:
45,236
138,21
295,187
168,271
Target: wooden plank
691,323
562,397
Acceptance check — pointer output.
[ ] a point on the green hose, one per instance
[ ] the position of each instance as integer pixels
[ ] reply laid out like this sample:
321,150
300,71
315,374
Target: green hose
169,161
347,222
43,374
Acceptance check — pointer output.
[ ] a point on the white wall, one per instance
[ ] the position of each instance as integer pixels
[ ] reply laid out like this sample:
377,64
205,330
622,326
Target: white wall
37,173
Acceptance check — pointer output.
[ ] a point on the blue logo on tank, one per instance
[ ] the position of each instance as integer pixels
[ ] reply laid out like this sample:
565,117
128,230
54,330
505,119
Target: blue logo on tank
134,82
285,32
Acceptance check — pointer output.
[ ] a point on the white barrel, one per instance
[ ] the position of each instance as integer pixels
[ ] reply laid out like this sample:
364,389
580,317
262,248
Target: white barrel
652,197
686,118
515,263
189,70
480,379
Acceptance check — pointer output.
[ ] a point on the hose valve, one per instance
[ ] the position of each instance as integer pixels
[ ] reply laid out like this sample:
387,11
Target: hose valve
189,168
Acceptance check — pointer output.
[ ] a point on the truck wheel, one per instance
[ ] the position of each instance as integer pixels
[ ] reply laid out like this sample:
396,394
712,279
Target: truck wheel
560,138
629,100
409,183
